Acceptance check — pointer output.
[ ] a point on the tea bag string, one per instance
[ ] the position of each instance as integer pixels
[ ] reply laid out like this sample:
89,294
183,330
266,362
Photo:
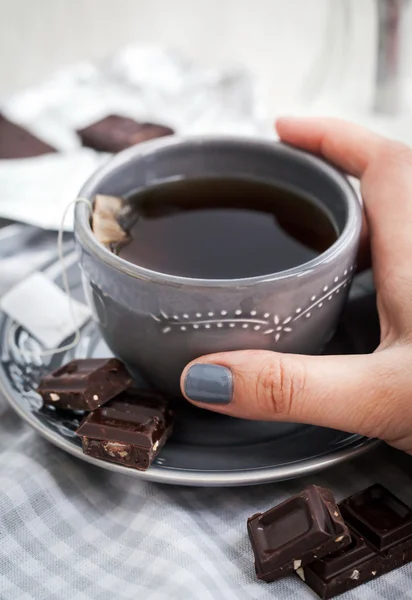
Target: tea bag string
65,279
66,286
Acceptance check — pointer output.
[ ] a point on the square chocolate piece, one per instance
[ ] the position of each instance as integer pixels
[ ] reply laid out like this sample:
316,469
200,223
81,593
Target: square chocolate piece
379,516
130,430
343,570
16,142
84,384
294,533
114,133
380,528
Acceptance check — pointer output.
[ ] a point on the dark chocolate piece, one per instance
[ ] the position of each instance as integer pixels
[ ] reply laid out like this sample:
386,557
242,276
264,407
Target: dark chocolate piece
85,384
16,142
130,430
379,516
114,133
380,527
294,533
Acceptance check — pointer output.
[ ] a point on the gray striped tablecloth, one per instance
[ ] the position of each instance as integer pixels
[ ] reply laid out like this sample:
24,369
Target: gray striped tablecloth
72,531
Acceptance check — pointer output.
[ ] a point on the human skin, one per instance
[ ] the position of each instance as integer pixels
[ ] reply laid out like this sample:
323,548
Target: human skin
366,394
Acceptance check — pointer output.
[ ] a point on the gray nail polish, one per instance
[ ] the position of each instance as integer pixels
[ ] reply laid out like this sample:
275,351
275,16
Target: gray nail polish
211,384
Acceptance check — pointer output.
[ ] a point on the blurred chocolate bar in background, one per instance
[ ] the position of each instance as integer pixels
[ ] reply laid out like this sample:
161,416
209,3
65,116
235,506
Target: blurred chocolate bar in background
115,133
16,142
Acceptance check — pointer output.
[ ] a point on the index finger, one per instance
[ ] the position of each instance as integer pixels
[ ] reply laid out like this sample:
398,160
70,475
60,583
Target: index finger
385,170
348,146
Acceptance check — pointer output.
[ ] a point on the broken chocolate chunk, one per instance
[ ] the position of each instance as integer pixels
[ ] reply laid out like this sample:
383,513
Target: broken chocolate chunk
130,430
294,533
84,384
379,516
342,570
16,142
381,531
115,133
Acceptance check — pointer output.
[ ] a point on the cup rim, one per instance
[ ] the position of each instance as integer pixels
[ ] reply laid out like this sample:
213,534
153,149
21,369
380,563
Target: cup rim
87,239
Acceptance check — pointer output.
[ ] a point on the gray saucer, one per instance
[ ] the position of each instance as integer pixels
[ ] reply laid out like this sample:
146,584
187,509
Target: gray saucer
206,449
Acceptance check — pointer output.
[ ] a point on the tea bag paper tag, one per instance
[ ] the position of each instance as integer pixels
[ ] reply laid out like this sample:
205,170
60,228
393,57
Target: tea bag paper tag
42,308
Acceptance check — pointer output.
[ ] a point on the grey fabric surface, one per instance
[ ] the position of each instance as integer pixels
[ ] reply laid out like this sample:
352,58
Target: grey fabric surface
72,531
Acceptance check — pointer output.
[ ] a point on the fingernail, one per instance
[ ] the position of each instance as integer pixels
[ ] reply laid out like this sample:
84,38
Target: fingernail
211,384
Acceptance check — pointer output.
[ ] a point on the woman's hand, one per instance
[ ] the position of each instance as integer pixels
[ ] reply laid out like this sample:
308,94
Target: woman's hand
367,394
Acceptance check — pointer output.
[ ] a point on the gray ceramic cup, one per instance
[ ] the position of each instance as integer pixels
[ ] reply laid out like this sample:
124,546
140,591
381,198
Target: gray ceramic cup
157,322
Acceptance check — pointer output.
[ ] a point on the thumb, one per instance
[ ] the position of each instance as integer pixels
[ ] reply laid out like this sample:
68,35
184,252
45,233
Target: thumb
330,391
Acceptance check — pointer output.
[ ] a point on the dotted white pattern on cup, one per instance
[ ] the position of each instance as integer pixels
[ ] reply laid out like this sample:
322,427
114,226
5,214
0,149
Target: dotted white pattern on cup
264,323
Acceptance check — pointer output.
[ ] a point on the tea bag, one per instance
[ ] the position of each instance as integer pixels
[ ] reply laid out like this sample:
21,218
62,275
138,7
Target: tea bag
105,224
127,216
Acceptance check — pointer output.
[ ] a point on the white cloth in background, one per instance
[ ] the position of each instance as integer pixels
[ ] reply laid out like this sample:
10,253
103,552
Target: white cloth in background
147,84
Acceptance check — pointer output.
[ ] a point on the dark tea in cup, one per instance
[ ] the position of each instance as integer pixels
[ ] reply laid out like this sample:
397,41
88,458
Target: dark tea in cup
224,228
